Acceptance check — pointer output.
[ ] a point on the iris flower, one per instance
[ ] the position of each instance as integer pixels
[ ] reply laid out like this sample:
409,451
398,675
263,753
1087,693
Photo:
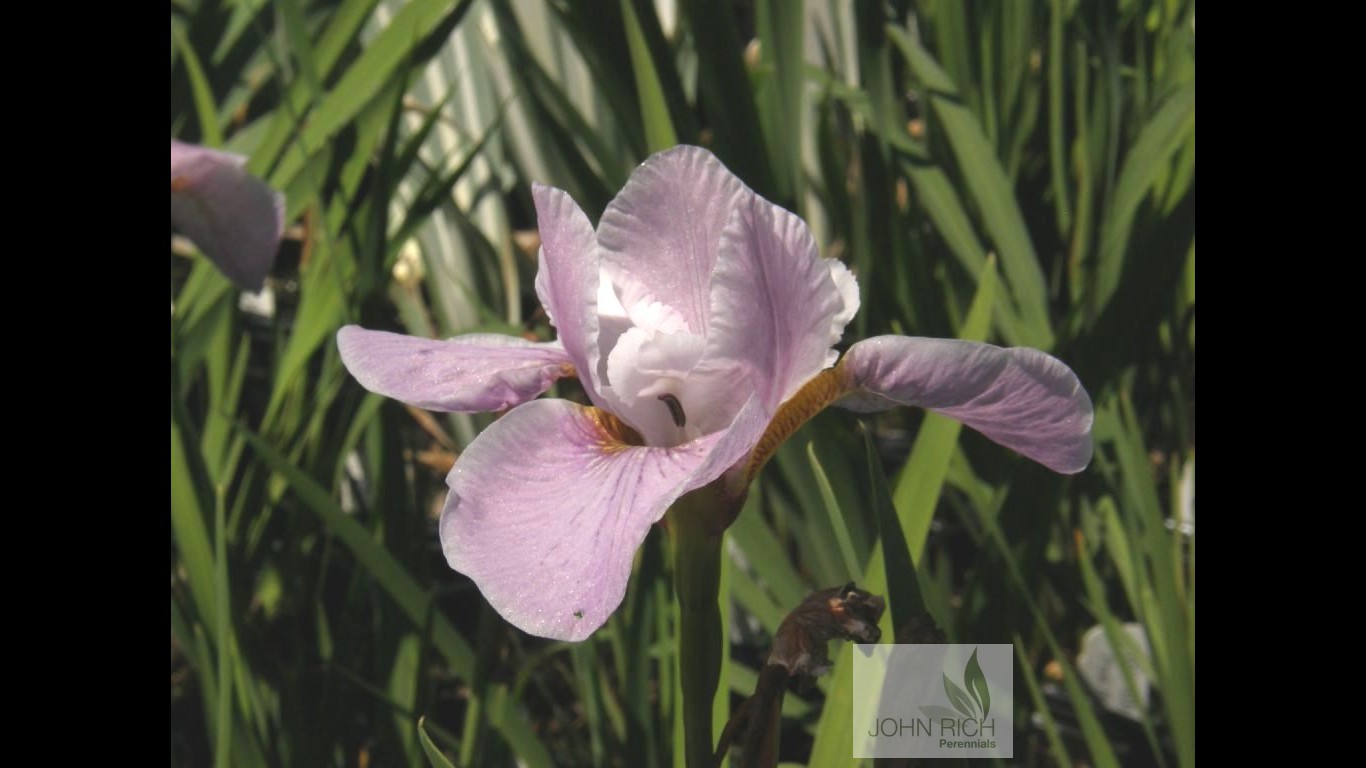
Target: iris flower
234,218
700,320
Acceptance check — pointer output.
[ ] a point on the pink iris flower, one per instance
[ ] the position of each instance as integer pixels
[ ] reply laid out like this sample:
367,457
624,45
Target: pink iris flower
234,218
692,315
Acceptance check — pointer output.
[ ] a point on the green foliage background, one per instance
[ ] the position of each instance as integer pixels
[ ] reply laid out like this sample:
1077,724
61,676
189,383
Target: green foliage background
1021,172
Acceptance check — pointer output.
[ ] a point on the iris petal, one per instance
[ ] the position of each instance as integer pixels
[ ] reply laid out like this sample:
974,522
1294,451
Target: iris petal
466,374
234,218
567,280
776,306
547,509
1021,398
661,232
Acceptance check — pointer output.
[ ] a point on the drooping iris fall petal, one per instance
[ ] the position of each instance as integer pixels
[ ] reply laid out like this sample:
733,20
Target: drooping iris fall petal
547,508
1021,398
467,374
234,218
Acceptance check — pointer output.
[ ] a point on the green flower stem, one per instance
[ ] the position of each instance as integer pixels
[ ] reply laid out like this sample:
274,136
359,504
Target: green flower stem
697,526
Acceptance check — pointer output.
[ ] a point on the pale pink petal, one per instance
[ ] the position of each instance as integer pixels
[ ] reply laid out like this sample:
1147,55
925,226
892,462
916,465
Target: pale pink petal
661,232
567,279
234,218
1021,398
468,374
546,510
776,305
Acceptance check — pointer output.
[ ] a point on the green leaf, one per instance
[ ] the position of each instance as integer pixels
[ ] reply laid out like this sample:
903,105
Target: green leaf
654,108
764,552
1057,141
905,601
781,109
403,44
1057,749
1102,752
945,210
411,599
834,731
341,32
723,90
405,676
434,756
211,135
387,572
296,33
990,188
191,535
832,510
1150,155
223,640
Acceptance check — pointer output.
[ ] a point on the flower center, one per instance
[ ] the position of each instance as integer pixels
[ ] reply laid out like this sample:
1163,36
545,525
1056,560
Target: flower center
649,369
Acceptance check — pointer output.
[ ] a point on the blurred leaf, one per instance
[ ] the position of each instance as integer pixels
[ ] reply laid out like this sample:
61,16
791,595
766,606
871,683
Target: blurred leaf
404,677
1057,142
1057,750
222,639
834,731
654,109
1118,640
781,111
836,517
434,756
205,109
189,490
764,553
340,33
296,32
724,92
1150,155
404,591
945,210
370,554
904,598
990,188
403,44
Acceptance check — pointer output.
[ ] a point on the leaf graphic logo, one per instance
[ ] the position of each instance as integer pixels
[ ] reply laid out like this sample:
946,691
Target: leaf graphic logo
973,697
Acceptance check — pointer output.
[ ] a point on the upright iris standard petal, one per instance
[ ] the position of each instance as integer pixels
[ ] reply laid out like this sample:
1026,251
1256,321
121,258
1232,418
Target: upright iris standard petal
661,232
567,280
467,374
547,508
234,218
776,306
1021,398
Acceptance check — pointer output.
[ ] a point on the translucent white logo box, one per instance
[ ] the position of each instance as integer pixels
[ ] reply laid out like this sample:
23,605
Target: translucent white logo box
949,700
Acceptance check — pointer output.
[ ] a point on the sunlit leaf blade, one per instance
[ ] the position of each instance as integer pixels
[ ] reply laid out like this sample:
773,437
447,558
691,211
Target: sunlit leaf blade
434,756
990,188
